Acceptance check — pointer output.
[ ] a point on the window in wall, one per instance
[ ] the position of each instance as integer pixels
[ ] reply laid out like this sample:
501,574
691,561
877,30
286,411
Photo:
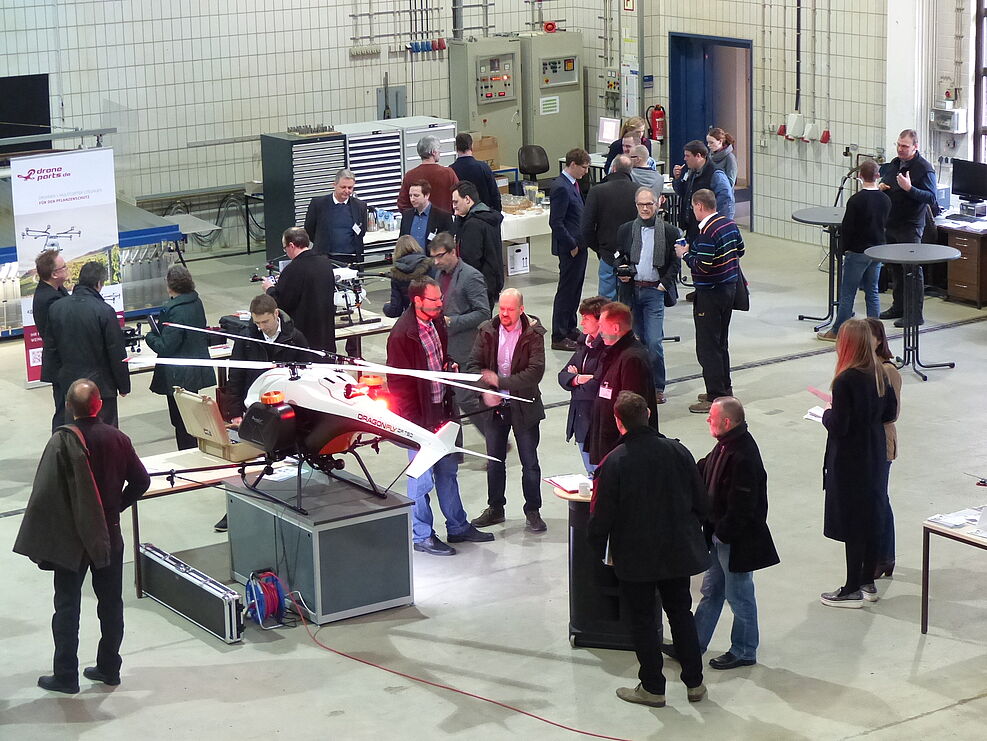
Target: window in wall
980,86
24,111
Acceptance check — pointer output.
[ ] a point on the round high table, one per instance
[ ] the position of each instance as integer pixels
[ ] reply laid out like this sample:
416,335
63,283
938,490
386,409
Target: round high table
595,616
910,255
830,218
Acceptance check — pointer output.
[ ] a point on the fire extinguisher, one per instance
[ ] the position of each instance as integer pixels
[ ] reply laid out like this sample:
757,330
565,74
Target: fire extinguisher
656,122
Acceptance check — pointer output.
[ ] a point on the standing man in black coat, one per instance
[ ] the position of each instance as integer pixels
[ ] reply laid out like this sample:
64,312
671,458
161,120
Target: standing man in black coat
910,182
85,341
478,239
337,223
736,531
647,507
305,290
565,217
608,205
478,172
88,474
52,272
624,367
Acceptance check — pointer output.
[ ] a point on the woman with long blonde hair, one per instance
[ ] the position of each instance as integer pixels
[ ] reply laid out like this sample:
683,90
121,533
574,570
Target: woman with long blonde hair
855,458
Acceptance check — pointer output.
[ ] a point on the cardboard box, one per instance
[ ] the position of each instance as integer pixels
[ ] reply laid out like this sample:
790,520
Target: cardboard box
485,148
503,185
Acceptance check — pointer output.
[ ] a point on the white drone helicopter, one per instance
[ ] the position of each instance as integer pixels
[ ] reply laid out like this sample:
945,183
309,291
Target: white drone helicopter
316,411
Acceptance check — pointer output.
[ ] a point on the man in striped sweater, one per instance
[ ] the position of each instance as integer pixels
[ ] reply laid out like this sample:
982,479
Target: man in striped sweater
714,258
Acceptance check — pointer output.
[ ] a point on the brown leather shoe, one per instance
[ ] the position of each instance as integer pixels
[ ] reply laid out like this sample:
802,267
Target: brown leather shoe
660,397
489,516
535,523
700,407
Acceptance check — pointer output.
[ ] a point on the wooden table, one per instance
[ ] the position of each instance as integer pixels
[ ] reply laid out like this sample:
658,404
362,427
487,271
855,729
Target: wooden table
161,486
961,535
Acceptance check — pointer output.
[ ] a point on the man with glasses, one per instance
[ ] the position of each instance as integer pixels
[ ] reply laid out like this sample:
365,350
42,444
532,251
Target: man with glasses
419,341
910,182
565,215
646,248
52,273
465,307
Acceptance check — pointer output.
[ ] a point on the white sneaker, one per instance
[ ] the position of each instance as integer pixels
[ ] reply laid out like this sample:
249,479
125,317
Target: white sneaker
835,599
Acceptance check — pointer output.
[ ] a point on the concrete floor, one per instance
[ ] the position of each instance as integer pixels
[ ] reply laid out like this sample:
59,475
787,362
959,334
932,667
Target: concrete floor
493,620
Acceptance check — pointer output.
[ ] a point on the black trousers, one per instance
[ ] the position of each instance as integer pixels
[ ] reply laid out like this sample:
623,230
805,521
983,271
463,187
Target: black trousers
906,234
498,427
711,312
182,437
58,396
861,560
572,271
642,614
108,586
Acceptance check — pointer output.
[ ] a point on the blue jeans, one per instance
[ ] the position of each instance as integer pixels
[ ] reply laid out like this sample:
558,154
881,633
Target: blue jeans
608,281
584,454
649,318
738,589
859,271
885,521
444,477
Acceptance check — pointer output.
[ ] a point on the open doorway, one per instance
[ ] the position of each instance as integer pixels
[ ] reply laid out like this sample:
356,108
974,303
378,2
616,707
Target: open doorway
711,84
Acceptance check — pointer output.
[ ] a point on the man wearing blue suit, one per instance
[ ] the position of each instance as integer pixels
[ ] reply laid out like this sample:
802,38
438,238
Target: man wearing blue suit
565,215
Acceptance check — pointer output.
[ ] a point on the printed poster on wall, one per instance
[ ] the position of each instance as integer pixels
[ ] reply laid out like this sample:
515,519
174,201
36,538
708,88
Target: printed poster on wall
65,201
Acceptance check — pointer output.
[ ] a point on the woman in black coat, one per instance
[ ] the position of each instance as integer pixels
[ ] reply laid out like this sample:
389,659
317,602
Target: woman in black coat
855,458
410,263
579,376
183,307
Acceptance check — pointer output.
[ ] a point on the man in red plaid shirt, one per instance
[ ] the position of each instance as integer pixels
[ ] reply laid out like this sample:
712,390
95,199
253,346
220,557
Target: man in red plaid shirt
418,341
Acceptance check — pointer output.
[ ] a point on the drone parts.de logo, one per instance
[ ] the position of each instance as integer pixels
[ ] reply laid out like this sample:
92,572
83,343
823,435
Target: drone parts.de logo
45,173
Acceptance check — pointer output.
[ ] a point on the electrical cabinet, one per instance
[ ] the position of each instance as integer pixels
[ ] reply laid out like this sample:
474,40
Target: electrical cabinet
374,152
554,111
484,92
296,168
414,128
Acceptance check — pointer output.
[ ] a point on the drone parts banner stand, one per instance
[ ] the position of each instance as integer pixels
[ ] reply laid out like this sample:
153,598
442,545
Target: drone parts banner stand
66,201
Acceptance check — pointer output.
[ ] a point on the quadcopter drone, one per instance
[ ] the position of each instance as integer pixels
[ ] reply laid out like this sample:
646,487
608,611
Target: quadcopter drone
318,411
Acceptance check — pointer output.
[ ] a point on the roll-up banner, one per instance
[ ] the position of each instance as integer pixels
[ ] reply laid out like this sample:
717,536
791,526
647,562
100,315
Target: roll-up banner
65,201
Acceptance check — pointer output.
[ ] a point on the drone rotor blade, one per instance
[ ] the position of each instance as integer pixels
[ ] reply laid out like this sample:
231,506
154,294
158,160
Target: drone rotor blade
217,333
138,363
429,375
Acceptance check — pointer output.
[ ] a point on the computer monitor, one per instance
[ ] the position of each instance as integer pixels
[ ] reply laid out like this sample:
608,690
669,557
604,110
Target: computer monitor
608,130
970,180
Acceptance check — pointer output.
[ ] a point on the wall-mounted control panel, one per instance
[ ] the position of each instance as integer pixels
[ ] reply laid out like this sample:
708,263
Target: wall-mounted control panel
495,79
556,71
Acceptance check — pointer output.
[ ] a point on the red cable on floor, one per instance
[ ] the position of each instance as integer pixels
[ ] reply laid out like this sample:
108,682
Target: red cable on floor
430,683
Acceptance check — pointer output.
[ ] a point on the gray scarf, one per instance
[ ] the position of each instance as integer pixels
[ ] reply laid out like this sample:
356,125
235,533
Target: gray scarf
658,257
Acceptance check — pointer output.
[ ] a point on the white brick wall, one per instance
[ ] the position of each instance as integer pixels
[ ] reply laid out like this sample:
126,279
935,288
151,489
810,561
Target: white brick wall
169,73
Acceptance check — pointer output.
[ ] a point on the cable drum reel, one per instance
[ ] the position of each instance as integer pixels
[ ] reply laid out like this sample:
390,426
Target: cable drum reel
265,597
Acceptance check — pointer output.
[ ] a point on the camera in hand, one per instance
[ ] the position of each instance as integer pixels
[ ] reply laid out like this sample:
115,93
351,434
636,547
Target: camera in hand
625,271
